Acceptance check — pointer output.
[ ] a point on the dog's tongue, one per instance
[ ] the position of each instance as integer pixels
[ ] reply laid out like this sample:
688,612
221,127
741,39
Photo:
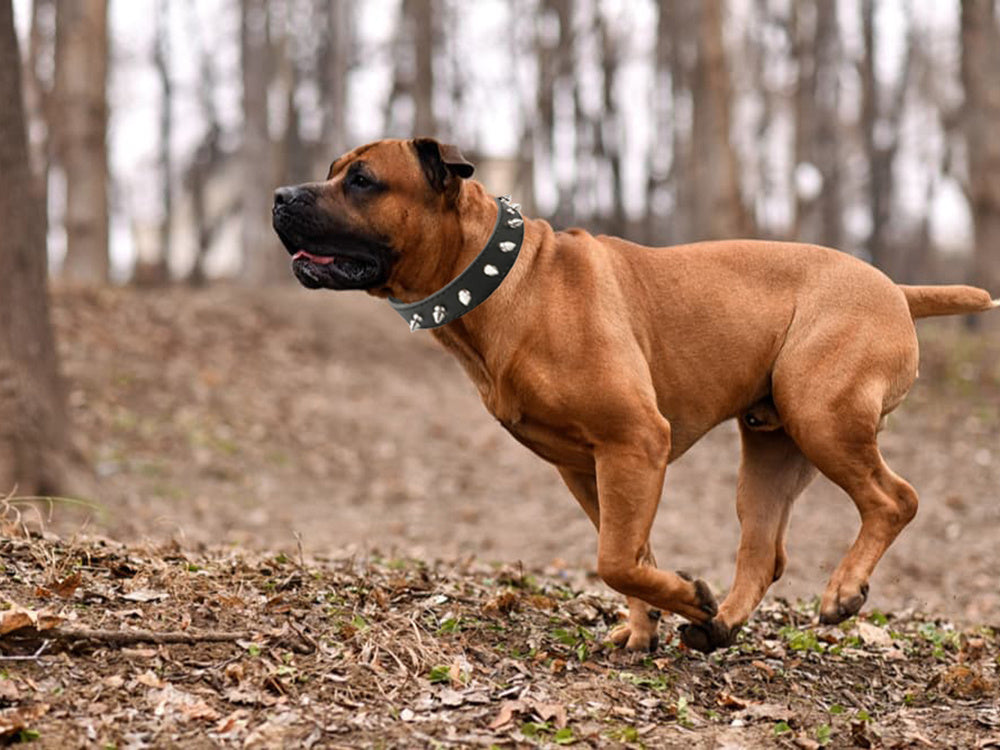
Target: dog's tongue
323,260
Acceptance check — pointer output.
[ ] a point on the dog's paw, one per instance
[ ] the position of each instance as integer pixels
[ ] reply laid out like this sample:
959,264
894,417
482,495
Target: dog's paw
637,638
843,606
623,636
704,599
707,637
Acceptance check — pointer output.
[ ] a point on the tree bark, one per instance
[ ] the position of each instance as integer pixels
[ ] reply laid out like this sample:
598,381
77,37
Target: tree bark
155,271
264,260
818,217
421,15
335,59
33,422
981,81
81,128
718,206
881,112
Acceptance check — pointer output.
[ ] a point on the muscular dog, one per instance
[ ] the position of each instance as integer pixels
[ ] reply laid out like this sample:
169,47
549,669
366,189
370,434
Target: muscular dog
610,359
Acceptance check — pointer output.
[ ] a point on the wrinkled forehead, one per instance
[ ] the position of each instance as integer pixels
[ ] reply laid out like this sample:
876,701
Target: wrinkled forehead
382,156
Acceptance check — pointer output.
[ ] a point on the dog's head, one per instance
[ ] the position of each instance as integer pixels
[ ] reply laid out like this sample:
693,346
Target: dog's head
377,207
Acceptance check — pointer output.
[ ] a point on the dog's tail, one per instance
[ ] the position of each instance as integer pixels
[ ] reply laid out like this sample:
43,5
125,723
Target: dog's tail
926,301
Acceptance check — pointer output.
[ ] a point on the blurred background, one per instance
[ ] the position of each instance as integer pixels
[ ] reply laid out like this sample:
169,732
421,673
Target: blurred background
178,379
867,125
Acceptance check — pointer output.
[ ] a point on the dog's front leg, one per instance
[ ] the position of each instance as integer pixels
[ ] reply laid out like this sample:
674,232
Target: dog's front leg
629,483
638,633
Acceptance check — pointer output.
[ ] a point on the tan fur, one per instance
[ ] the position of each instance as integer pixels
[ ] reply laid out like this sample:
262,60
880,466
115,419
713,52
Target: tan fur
610,359
925,301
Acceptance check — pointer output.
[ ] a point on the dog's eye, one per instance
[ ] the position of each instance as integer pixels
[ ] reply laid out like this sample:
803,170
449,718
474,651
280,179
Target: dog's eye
358,180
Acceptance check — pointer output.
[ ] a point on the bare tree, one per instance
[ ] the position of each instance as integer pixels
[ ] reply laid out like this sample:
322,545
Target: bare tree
608,127
33,442
80,120
668,183
981,119
208,156
881,113
336,57
156,271
414,50
555,42
263,260
718,207
817,51
39,80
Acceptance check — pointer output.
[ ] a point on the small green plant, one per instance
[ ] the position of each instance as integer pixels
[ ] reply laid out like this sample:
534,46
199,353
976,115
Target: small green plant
440,673
823,734
682,711
564,736
535,728
625,734
801,640
877,618
781,728
653,682
253,649
578,638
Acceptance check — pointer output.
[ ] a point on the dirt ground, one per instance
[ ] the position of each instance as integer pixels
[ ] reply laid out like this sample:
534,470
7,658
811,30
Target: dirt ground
297,470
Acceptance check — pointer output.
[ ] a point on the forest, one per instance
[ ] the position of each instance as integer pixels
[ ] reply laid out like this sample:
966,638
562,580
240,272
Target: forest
235,512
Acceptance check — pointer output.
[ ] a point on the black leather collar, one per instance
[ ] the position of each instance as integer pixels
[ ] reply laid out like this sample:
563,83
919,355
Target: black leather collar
478,281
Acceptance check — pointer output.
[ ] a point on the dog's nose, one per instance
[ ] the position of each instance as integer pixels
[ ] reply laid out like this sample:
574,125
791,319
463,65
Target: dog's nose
284,195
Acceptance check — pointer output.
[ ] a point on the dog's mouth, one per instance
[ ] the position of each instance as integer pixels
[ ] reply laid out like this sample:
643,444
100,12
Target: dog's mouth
335,271
349,262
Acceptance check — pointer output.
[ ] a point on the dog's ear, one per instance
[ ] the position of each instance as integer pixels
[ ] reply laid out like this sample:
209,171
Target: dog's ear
442,163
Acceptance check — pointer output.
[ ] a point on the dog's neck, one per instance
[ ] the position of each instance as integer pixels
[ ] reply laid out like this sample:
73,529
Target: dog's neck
455,243
478,339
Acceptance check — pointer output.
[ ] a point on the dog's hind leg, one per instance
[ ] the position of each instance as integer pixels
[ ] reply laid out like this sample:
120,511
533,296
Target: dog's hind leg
886,502
638,633
773,472
836,430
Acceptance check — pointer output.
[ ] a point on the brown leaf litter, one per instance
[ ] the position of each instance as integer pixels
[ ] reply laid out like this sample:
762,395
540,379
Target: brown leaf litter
107,645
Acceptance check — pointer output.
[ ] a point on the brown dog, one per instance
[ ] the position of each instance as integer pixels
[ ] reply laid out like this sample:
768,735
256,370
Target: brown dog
609,360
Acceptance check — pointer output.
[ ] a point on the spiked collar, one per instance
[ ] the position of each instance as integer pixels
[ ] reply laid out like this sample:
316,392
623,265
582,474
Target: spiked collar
478,281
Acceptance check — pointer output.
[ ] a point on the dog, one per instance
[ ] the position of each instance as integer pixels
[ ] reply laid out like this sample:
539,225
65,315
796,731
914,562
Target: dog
609,360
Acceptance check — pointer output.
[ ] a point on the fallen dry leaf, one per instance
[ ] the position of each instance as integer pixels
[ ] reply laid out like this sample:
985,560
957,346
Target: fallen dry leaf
506,713
145,595
67,586
18,618
729,701
15,720
962,681
873,635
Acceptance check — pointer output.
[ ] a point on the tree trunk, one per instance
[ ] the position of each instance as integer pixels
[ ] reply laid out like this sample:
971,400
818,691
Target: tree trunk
33,423
421,15
819,208
39,81
155,271
881,112
717,203
335,59
81,128
981,80
264,260
608,137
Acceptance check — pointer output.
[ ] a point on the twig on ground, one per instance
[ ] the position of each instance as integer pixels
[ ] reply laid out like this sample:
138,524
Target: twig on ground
128,637
29,657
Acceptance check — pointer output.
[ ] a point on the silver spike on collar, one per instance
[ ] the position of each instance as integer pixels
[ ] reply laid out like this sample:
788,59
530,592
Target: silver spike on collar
478,281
